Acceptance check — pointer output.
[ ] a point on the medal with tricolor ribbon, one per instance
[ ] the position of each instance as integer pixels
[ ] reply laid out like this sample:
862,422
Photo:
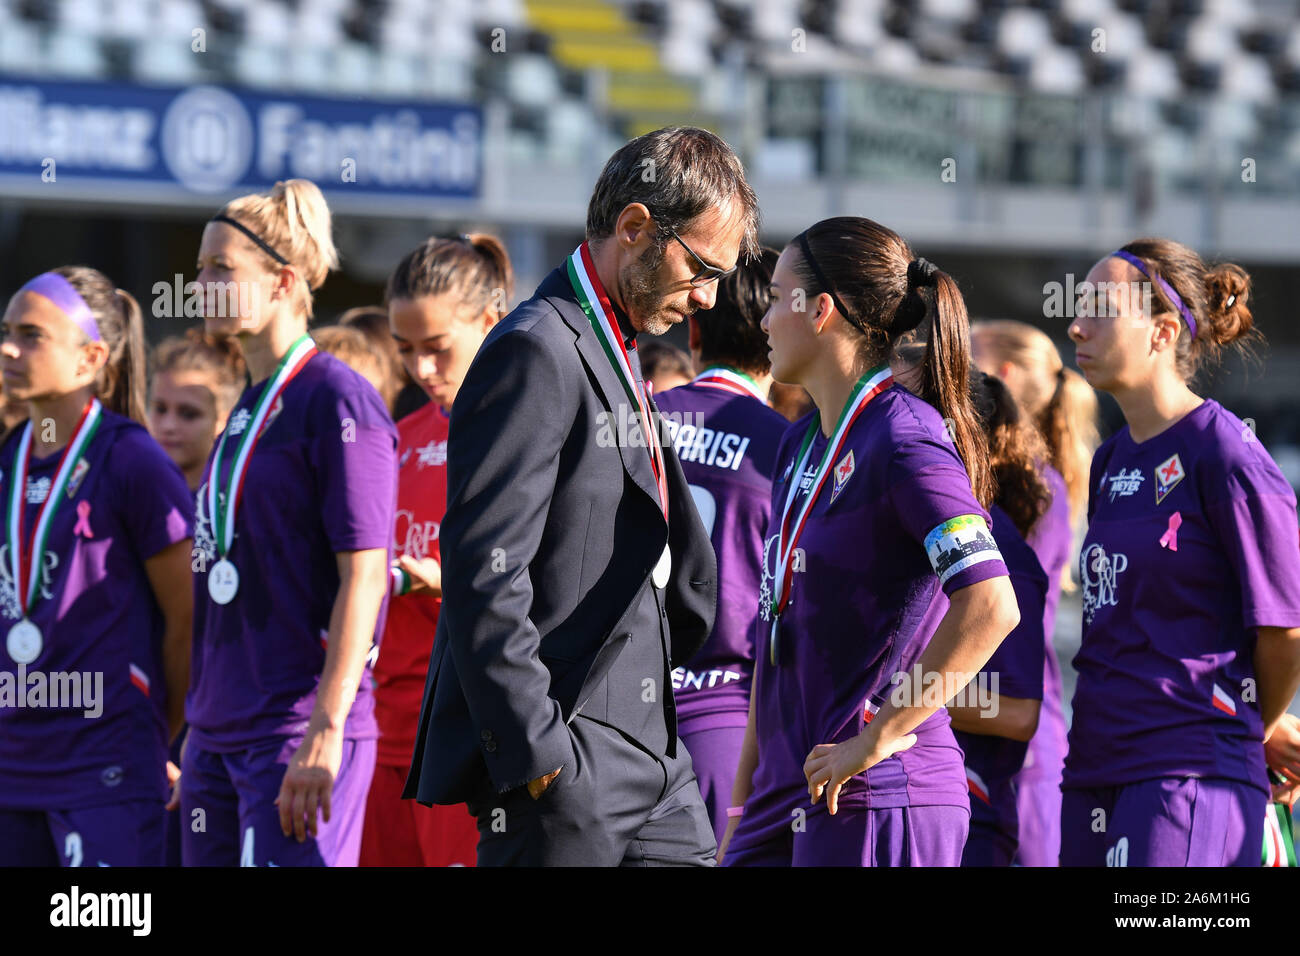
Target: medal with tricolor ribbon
24,641
595,303
868,387
223,577
729,380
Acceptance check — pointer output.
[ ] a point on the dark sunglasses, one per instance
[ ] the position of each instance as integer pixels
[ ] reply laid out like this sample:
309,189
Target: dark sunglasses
707,272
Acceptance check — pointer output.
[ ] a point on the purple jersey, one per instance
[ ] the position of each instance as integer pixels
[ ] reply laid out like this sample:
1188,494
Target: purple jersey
1052,539
1017,667
727,446
102,629
895,529
1191,545
322,479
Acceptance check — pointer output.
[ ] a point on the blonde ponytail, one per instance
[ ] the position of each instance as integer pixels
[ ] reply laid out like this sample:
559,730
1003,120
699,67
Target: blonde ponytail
294,219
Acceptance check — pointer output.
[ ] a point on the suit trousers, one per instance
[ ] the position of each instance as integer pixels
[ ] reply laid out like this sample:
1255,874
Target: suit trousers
618,805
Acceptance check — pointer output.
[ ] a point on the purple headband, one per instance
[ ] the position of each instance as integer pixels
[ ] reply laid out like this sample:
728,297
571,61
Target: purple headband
66,299
1168,290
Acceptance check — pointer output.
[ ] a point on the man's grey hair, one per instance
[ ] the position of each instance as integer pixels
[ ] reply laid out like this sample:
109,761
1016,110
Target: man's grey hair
678,172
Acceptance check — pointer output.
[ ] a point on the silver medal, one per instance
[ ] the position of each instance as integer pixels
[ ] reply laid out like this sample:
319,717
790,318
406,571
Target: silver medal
24,642
223,582
662,569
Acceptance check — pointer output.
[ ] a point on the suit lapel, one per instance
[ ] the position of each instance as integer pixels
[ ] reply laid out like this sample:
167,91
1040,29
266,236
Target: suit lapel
623,419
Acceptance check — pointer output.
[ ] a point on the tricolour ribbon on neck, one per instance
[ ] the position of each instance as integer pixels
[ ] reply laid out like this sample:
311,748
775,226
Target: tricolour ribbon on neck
791,528
729,380
223,519
595,303
25,556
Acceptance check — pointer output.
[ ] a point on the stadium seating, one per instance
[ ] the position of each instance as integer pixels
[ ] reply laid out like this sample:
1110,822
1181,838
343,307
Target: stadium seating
622,66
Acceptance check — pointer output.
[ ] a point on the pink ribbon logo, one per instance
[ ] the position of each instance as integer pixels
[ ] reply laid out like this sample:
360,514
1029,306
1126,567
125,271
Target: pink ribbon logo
1170,538
83,520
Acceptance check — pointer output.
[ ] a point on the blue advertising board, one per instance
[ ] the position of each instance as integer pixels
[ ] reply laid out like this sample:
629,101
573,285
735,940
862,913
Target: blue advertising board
209,139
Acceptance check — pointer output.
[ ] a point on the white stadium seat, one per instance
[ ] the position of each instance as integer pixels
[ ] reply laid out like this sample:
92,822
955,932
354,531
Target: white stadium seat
268,24
1023,33
858,23
955,10
20,47
531,79
354,68
261,65
1248,78
1154,75
172,62
1211,41
309,67
398,74
74,54
1054,70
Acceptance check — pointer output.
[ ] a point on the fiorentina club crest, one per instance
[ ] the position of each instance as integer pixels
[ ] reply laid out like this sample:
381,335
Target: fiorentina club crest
843,472
79,472
273,414
1168,474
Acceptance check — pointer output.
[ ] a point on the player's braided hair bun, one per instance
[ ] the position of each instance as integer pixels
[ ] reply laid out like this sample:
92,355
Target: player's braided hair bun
1227,290
1216,295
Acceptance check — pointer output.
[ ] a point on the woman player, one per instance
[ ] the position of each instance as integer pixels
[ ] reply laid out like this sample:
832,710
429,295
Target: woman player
295,514
873,514
196,382
395,385
443,298
1064,407
350,346
1191,580
94,584
726,437
999,713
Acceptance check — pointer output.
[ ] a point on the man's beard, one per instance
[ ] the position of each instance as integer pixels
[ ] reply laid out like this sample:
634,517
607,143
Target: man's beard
642,294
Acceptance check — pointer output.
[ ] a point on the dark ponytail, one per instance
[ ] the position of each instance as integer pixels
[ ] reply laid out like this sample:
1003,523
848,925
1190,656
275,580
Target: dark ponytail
1015,452
944,383
120,384
885,292
475,268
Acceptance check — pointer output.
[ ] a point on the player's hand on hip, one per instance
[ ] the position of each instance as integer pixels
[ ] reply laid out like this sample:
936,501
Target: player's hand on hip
829,766
309,783
1282,748
426,575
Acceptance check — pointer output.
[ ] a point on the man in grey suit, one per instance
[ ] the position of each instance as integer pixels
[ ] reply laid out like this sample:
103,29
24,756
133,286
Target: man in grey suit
576,572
